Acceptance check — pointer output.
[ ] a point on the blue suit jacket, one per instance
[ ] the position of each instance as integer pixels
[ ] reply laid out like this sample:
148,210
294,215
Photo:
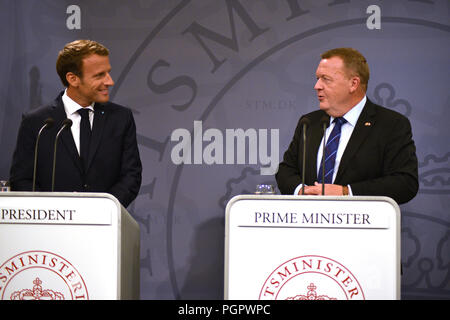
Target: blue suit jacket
114,165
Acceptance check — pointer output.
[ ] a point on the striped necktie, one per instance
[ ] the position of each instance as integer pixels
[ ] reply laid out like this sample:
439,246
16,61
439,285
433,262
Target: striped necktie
331,150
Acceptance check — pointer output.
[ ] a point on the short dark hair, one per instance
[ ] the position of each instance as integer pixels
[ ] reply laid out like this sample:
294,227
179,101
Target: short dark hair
354,61
70,58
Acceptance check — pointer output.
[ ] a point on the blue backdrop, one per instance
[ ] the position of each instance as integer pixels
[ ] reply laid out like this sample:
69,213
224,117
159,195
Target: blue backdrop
198,73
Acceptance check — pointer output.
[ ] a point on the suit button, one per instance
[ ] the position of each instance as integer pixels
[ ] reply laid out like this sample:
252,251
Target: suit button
85,186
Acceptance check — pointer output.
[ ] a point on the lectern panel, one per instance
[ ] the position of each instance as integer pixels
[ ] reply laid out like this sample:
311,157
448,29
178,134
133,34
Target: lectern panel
296,248
61,246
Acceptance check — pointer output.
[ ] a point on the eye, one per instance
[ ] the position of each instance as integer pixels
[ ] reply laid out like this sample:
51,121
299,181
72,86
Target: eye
324,78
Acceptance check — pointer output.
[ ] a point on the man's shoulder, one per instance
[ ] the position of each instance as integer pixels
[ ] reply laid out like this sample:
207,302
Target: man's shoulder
386,113
43,111
114,108
381,112
315,116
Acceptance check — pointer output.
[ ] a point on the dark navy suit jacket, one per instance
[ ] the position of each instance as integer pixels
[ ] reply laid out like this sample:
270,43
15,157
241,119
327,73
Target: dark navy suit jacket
114,165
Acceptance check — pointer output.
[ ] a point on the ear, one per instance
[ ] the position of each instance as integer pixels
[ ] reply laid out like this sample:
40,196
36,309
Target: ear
355,83
72,79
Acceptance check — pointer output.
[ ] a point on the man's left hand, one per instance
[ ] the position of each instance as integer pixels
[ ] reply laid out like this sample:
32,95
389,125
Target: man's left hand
330,189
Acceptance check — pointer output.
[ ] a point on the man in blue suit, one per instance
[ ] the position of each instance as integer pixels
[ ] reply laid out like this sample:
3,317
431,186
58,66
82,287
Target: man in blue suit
108,161
375,152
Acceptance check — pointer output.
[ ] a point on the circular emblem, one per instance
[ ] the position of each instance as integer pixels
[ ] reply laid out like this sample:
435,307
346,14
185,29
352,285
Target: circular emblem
311,278
40,275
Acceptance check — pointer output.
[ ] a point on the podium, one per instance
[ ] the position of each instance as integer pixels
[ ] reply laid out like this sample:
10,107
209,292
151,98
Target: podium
312,248
67,246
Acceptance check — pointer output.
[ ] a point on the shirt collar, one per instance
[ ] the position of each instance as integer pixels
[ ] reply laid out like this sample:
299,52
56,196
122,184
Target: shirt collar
70,106
353,114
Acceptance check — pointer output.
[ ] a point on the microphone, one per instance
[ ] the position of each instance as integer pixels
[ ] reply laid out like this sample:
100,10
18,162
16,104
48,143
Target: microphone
48,123
67,123
325,120
304,122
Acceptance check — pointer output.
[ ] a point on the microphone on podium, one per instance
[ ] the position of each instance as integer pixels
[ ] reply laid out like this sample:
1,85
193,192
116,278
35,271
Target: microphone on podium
48,123
324,121
304,122
67,123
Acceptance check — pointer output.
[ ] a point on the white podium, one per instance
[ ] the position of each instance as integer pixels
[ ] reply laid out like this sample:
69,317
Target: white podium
312,248
71,246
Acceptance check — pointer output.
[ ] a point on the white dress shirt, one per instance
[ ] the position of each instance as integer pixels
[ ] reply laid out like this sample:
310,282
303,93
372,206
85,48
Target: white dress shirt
71,108
346,132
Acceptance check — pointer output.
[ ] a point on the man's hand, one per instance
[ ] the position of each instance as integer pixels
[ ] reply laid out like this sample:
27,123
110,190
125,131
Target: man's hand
316,189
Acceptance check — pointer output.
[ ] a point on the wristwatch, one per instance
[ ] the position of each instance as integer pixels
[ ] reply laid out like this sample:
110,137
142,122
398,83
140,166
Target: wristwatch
345,190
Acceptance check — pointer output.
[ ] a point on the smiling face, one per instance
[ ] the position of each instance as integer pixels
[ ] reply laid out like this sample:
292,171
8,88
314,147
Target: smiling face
336,89
94,82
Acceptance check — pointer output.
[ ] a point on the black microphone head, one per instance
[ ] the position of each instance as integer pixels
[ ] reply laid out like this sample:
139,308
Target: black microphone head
325,120
305,121
67,123
49,122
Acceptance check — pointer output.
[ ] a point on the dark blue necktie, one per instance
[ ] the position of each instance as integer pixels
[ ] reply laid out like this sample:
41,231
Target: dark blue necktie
331,150
85,135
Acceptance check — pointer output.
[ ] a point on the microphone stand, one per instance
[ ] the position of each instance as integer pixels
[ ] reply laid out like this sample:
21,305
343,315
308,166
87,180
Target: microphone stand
324,121
305,122
67,123
48,123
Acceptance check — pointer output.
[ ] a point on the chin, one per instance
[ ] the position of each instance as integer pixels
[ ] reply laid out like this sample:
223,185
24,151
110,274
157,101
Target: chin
324,106
102,99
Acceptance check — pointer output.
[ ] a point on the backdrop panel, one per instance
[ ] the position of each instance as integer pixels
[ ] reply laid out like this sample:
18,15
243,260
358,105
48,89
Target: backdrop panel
201,76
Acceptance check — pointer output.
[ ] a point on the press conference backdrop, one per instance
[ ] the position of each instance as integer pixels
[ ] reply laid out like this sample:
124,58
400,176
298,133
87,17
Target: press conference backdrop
217,88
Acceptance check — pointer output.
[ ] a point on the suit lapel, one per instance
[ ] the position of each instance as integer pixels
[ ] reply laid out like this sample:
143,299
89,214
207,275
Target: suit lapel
314,139
66,135
362,129
97,130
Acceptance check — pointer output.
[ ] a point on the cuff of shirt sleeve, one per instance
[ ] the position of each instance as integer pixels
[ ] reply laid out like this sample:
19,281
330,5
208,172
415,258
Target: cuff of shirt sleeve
350,193
297,190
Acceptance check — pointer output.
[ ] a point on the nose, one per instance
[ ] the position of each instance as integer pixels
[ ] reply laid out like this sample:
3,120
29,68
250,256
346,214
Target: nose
318,85
108,80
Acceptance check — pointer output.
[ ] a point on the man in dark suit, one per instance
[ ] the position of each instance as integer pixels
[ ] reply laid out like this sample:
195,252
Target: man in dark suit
374,153
99,152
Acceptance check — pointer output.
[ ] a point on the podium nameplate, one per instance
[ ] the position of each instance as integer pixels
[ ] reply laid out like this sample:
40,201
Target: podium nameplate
59,246
305,248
